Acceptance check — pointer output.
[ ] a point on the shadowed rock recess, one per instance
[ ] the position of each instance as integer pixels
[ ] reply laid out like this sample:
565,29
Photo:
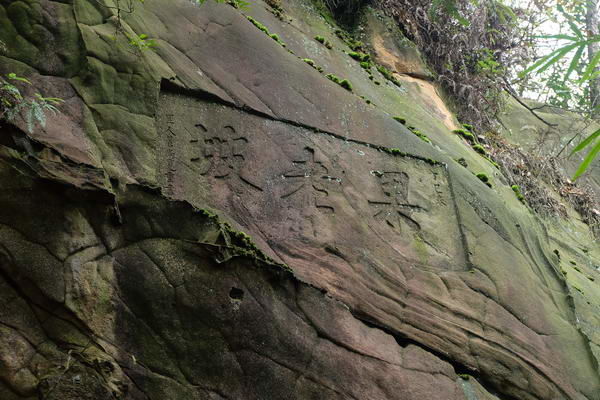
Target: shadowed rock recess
215,219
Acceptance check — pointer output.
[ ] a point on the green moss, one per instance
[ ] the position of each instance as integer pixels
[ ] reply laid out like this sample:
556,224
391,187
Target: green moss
517,190
468,127
396,152
494,163
354,45
323,41
312,64
258,25
578,289
309,62
465,134
400,119
388,75
421,135
465,377
342,82
462,162
207,214
358,56
366,65
479,149
263,28
346,85
591,278
333,78
377,83
484,178
577,269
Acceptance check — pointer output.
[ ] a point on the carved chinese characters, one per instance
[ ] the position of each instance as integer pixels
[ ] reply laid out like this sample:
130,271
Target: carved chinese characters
309,179
394,207
292,184
221,152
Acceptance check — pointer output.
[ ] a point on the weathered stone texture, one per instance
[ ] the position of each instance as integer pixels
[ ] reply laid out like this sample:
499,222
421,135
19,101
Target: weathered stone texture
373,265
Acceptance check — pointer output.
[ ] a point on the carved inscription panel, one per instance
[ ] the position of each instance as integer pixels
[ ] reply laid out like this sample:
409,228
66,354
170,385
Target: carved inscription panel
298,187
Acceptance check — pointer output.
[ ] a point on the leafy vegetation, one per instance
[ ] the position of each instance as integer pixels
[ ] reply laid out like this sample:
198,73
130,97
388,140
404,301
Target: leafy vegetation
342,82
517,190
141,42
468,46
323,41
33,108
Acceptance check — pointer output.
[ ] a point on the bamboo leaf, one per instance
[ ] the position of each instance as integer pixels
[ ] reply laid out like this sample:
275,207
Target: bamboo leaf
563,52
574,62
561,36
575,28
587,161
537,64
590,68
586,142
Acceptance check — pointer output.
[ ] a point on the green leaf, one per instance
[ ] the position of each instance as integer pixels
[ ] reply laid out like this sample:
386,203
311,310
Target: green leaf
14,77
590,68
561,36
575,29
586,142
563,52
587,161
537,64
574,62
143,36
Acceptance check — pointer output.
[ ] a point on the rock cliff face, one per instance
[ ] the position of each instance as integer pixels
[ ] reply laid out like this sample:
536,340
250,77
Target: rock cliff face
373,264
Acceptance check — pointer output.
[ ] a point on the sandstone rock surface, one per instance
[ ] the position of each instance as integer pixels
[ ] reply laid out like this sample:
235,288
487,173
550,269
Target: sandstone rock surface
372,264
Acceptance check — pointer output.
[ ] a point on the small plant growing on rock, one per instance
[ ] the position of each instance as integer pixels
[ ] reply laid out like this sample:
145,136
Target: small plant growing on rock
333,78
323,41
517,190
468,136
346,85
366,65
388,75
355,45
479,149
400,119
312,64
419,134
342,82
258,24
358,56
141,42
484,178
396,152
12,103
263,28
422,136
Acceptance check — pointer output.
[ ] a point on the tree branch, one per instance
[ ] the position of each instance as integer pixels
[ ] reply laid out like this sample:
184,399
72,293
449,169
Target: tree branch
511,91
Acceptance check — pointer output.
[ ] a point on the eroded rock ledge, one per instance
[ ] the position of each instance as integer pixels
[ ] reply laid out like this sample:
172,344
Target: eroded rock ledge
374,266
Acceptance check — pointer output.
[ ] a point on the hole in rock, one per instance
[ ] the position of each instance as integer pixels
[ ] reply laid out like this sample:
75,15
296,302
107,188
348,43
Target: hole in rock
236,294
